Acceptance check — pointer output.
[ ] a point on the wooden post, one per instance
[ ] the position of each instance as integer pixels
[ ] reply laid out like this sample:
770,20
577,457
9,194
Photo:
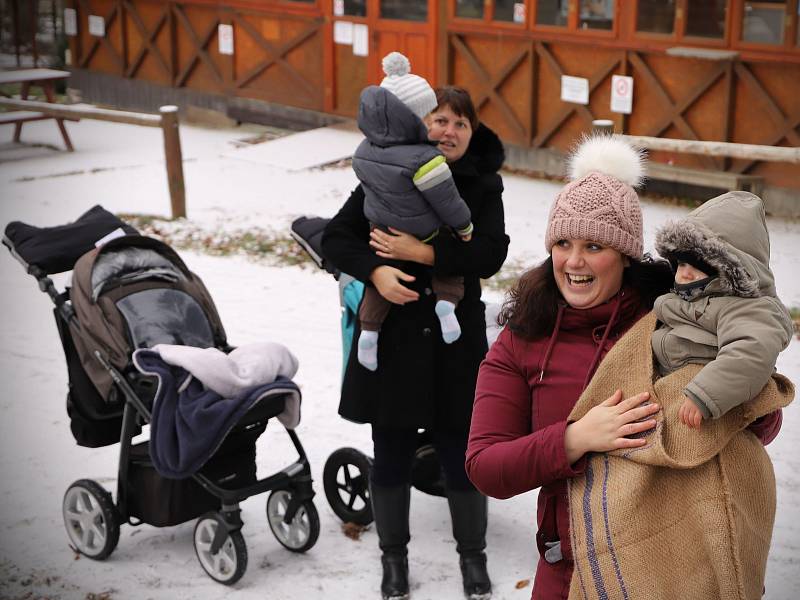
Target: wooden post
174,160
34,27
15,24
603,126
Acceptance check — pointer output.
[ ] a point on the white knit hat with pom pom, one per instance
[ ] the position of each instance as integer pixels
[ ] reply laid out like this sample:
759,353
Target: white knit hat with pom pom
600,203
411,90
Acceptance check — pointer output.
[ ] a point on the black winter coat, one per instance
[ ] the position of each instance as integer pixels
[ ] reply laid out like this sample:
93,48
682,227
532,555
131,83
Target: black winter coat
421,381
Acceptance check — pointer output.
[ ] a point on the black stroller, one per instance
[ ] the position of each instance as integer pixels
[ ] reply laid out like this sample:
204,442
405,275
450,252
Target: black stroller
346,473
101,319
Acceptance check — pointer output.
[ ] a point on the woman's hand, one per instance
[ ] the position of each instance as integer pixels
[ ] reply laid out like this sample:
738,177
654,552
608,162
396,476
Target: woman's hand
387,280
605,427
399,245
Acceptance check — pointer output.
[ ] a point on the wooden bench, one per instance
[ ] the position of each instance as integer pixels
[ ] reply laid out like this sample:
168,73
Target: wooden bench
708,178
44,78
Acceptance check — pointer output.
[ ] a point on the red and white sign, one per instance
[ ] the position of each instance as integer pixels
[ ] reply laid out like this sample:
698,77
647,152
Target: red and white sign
622,94
519,12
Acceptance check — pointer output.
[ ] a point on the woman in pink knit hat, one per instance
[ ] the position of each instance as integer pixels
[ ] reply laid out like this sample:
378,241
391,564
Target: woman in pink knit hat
560,320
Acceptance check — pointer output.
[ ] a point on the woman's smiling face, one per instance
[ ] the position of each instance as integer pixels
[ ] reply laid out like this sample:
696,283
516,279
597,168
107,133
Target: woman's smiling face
453,132
587,273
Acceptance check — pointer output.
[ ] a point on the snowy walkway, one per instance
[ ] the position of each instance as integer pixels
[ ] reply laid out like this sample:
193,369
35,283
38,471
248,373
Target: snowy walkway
121,167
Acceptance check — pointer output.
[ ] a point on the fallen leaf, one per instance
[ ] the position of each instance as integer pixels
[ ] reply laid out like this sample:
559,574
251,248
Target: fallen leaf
353,530
522,583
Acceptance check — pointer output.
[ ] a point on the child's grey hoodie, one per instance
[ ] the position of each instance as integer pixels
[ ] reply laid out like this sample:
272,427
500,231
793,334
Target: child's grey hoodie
407,183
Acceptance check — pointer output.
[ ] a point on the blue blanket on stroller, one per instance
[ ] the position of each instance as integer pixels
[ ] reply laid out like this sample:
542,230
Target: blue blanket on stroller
188,421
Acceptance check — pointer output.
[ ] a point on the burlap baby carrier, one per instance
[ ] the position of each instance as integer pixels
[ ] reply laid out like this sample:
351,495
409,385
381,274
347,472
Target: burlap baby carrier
690,514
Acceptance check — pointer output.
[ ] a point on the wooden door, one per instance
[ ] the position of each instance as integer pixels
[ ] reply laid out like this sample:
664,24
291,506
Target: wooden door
407,26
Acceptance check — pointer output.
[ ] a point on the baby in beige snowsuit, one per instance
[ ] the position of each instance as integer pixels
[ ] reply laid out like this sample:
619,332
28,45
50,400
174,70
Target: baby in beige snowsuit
723,311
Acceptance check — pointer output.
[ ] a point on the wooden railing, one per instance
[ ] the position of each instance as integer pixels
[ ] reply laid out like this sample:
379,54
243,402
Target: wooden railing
167,120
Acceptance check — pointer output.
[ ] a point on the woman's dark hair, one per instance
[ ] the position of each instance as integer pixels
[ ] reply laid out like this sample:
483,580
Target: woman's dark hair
531,307
459,100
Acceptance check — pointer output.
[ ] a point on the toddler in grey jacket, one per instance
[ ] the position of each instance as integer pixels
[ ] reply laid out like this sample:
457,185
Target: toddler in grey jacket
407,186
723,312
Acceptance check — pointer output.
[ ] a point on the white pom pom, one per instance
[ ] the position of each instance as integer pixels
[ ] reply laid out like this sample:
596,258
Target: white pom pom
609,155
396,65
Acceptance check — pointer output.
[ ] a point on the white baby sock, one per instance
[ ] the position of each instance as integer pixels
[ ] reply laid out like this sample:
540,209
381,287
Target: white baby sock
451,330
368,349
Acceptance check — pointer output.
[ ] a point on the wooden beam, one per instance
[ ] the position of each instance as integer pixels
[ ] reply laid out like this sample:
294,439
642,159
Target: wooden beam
770,141
741,151
461,47
199,50
777,115
84,112
148,40
594,81
275,55
675,115
728,109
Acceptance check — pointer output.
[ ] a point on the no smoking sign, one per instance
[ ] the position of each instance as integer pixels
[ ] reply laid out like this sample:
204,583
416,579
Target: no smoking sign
621,94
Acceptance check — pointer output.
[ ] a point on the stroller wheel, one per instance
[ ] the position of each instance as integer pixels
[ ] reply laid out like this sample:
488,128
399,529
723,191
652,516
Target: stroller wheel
91,519
346,482
229,563
299,534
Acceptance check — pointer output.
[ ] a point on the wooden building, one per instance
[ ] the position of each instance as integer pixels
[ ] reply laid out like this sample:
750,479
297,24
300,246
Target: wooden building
724,70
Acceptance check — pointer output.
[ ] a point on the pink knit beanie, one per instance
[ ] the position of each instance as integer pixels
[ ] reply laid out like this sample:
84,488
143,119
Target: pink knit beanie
599,203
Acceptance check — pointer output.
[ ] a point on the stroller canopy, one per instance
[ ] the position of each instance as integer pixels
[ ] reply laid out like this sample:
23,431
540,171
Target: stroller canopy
136,292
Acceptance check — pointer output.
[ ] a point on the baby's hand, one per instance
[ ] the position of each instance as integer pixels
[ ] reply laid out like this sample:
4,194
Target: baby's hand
689,414
466,238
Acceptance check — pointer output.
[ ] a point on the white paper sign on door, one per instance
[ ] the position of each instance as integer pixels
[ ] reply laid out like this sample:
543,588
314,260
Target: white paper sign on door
225,36
338,8
343,32
97,26
519,12
622,94
360,40
574,89
70,21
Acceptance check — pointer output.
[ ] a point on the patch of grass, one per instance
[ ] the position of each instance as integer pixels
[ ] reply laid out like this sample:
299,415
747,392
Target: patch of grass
140,220
507,276
271,247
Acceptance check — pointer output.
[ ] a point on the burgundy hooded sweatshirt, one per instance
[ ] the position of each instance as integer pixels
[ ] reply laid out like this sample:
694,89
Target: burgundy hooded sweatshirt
524,394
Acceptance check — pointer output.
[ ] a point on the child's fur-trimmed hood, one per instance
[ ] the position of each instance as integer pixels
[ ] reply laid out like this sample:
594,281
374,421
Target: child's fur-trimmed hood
729,233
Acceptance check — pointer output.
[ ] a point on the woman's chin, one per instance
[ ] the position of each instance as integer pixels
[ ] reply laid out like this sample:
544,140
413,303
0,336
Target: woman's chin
580,297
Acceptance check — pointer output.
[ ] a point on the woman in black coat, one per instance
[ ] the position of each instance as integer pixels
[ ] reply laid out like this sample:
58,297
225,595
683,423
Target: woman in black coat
421,382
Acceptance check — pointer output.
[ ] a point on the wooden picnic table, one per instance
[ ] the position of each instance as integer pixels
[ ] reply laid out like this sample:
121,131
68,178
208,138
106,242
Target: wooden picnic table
44,78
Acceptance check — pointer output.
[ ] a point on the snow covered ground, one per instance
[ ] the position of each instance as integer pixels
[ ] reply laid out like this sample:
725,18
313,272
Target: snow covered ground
121,167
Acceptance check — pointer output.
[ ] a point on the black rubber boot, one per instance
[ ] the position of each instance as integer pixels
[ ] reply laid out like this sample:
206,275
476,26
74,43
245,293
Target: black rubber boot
469,511
390,508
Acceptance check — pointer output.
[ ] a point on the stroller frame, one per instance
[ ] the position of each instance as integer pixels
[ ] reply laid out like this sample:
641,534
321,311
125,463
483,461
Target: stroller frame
219,544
